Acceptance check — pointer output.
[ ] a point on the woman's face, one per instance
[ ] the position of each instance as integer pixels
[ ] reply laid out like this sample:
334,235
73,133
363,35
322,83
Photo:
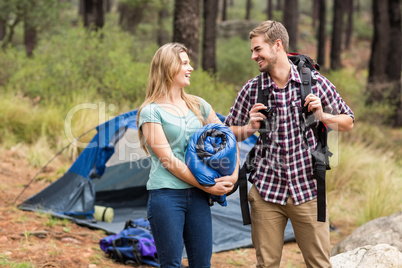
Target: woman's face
182,79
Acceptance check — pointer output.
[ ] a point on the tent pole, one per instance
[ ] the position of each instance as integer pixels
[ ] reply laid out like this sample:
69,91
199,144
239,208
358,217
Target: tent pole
40,171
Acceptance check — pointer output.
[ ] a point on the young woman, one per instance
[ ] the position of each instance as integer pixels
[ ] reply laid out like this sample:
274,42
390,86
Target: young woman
178,208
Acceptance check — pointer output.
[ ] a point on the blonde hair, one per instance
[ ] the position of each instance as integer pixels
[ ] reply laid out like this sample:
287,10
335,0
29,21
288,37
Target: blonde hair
165,65
272,31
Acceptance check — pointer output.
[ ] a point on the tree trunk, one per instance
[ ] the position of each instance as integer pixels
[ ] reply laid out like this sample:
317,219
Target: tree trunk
131,16
386,58
209,40
94,18
278,5
358,6
163,34
81,7
316,12
3,29
29,38
379,48
11,30
291,22
270,8
349,25
224,9
186,24
108,6
249,5
395,45
395,63
336,42
322,36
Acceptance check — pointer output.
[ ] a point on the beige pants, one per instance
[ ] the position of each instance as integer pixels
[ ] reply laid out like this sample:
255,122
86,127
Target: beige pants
268,222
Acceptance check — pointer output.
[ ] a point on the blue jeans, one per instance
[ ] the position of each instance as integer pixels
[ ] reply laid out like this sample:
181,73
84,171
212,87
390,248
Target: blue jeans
180,216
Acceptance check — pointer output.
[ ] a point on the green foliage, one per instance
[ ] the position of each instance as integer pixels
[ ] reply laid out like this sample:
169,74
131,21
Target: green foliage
53,221
27,122
220,95
5,262
39,14
86,66
234,61
73,75
362,26
149,3
351,86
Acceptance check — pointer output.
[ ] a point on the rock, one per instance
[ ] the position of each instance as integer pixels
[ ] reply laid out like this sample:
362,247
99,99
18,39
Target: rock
70,240
385,230
39,234
3,239
380,256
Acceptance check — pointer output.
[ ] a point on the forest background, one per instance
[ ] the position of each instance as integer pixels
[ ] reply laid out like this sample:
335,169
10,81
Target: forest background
67,66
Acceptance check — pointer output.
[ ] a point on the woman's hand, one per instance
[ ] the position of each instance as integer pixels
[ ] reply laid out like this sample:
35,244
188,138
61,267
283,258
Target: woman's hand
231,178
223,185
220,188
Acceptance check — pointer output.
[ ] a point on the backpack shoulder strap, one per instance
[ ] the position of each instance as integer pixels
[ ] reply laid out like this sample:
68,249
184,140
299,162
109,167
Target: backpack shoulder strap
241,184
304,67
321,154
262,97
249,164
305,76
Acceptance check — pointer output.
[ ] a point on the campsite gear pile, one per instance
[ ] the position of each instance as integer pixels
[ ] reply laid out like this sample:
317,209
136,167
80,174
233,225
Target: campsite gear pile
321,153
212,153
133,245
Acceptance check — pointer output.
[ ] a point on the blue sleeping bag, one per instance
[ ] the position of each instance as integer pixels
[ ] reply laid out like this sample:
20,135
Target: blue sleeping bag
212,153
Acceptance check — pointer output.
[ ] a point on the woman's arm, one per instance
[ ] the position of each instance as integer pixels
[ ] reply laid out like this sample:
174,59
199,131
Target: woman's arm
156,139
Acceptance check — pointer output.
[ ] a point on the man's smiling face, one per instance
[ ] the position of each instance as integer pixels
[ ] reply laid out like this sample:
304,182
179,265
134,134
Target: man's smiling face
263,54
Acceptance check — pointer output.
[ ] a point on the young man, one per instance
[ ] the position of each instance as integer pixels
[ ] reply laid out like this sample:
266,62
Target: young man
283,187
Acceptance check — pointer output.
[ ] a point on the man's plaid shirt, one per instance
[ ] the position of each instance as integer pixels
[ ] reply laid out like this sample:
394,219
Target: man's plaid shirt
285,167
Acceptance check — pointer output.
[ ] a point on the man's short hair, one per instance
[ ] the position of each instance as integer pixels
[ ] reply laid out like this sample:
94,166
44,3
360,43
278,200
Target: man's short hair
272,31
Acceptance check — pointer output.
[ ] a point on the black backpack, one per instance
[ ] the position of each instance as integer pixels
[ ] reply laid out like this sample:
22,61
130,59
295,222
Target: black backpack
320,156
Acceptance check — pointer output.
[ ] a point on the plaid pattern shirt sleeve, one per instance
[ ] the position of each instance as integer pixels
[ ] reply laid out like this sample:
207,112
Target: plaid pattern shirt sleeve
331,100
283,162
245,99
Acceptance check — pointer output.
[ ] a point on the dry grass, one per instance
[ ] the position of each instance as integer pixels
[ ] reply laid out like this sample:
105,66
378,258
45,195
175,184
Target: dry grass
366,183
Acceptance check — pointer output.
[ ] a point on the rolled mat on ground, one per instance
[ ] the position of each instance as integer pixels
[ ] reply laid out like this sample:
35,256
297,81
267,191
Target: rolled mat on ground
103,213
212,153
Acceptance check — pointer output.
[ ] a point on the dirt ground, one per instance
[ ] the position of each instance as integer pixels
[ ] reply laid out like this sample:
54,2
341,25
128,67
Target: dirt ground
42,241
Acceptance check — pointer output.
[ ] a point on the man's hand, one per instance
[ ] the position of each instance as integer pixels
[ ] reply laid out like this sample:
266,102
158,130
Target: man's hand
314,105
256,116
